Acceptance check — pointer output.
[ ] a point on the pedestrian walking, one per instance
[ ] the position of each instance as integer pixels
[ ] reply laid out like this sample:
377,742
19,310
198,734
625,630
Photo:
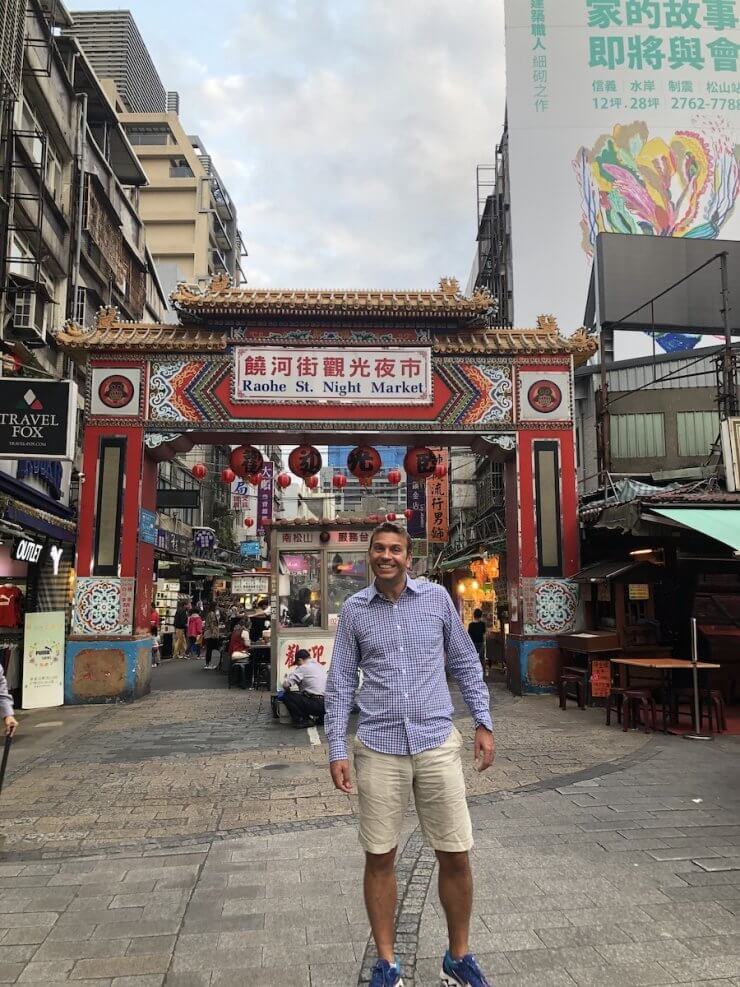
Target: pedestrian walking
402,634
156,645
180,623
195,630
477,630
212,633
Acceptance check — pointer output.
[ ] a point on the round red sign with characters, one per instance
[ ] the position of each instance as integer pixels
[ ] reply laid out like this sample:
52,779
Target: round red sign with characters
545,396
116,391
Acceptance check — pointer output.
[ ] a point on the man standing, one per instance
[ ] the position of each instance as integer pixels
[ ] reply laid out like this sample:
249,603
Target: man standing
306,707
180,624
402,634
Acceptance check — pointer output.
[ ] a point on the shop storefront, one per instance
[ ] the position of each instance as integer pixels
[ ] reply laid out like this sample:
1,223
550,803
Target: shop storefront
316,566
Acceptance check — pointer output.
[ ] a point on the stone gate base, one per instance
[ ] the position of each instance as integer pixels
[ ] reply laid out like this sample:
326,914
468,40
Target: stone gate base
105,670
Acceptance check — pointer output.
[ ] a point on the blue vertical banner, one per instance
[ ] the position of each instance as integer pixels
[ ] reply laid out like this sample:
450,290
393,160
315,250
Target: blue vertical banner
416,501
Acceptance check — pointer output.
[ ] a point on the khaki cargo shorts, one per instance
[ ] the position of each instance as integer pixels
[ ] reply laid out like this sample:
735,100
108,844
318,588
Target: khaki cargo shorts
384,786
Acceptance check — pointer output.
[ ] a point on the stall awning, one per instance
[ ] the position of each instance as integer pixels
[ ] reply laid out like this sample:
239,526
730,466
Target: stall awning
722,524
603,572
205,570
459,563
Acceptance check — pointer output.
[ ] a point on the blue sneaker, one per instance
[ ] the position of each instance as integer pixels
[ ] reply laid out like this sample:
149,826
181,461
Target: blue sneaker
386,975
462,973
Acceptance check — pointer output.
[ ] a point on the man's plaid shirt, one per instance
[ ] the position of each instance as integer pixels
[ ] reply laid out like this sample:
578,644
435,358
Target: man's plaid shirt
402,648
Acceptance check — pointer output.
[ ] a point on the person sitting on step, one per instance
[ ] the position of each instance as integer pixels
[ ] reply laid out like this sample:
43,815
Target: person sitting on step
304,690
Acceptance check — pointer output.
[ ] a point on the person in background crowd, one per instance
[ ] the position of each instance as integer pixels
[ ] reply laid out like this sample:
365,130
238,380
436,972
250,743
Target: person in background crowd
477,631
154,618
195,629
6,706
306,706
212,633
258,621
180,623
156,645
299,612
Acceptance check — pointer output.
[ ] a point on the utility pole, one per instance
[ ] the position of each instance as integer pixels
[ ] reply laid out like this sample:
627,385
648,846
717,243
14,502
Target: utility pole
728,395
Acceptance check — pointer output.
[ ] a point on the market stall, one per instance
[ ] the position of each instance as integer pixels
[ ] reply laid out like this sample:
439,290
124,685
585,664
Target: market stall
316,566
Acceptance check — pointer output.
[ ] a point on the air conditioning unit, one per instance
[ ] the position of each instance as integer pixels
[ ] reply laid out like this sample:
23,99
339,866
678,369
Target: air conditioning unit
27,321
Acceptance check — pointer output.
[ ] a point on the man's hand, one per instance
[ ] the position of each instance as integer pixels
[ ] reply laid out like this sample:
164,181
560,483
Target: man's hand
340,776
485,749
11,725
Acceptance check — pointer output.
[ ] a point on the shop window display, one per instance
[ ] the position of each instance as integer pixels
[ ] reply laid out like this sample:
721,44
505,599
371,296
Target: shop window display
346,575
300,589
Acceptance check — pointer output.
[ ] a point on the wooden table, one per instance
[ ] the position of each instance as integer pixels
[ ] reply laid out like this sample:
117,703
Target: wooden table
666,666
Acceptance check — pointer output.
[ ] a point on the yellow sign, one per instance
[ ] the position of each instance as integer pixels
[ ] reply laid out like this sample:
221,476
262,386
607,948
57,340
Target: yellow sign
43,660
639,591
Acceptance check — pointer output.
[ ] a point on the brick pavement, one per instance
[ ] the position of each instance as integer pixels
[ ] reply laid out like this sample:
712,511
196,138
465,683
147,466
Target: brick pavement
620,874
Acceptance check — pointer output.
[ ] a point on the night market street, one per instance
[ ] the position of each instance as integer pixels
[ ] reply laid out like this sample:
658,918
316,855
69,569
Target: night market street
188,837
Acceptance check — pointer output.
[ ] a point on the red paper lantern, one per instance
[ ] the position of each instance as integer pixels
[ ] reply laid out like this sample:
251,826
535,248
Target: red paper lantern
364,462
339,481
199,471
248,522
311,482
284,480
390,516
305,461
408,513
440,471
419,463
228,475
246,461
255,479
394,477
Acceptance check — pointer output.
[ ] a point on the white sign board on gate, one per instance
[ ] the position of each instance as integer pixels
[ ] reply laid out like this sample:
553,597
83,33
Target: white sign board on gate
624,116
43,660
348,375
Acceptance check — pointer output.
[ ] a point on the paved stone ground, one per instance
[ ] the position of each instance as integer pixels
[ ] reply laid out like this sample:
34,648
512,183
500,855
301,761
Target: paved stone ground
601,857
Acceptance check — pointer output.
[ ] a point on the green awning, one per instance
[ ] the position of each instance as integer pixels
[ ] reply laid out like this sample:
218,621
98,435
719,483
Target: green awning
459,563
722,524
204,570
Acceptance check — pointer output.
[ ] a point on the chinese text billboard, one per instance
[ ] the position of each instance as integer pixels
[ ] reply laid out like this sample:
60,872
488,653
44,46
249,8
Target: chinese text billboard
624,117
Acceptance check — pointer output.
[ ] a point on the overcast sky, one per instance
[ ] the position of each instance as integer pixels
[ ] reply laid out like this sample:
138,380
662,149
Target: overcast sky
347,131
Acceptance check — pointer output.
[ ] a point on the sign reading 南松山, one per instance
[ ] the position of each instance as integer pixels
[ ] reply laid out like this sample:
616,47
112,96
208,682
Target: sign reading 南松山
37,418
43,660
624,117
356,375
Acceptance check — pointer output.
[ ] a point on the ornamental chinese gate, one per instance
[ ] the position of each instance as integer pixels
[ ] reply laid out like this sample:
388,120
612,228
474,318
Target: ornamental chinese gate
251,366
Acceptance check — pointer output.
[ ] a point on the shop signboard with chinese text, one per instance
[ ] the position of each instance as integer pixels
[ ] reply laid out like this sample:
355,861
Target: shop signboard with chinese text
43,660
357,375
624,117
312,539
148,526
264,498
250,549
601,678
416,501
250,585
318,645
37,419
438,501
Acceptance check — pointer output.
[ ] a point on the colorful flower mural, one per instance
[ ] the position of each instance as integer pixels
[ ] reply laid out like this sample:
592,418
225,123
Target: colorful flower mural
685,186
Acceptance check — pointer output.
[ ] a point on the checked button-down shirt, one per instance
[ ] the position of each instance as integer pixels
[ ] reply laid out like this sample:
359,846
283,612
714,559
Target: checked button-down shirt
402,649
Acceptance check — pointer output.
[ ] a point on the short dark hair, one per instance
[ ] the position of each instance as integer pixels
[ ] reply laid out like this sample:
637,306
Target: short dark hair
477,614
301,654
389,527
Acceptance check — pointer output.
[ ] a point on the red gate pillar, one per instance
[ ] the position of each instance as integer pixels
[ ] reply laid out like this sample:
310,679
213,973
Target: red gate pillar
109,649
542,551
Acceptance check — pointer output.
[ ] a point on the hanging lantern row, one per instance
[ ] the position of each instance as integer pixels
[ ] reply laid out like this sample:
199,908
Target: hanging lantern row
284,480
363,463
248,522
199,471
339,481
228,475
311,482
420,463
394,477
408,513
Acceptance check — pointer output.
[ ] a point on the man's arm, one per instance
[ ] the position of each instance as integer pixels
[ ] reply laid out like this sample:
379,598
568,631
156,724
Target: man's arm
464,665
340,686
6,706
293,678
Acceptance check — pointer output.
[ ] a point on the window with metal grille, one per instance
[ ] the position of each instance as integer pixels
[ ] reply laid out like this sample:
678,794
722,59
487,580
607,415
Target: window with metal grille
637,436
697,430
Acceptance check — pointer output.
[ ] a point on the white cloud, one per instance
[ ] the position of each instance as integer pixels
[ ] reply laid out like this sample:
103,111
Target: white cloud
348,132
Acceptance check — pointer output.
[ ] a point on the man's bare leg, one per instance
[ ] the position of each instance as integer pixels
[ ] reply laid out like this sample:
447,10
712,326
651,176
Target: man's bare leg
456,896
380,900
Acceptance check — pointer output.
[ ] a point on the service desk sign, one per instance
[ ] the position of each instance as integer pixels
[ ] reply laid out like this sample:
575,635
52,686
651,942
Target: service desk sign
43,660
351,375
37,418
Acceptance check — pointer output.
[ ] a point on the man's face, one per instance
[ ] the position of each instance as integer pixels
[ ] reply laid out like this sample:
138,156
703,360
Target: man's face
389,558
